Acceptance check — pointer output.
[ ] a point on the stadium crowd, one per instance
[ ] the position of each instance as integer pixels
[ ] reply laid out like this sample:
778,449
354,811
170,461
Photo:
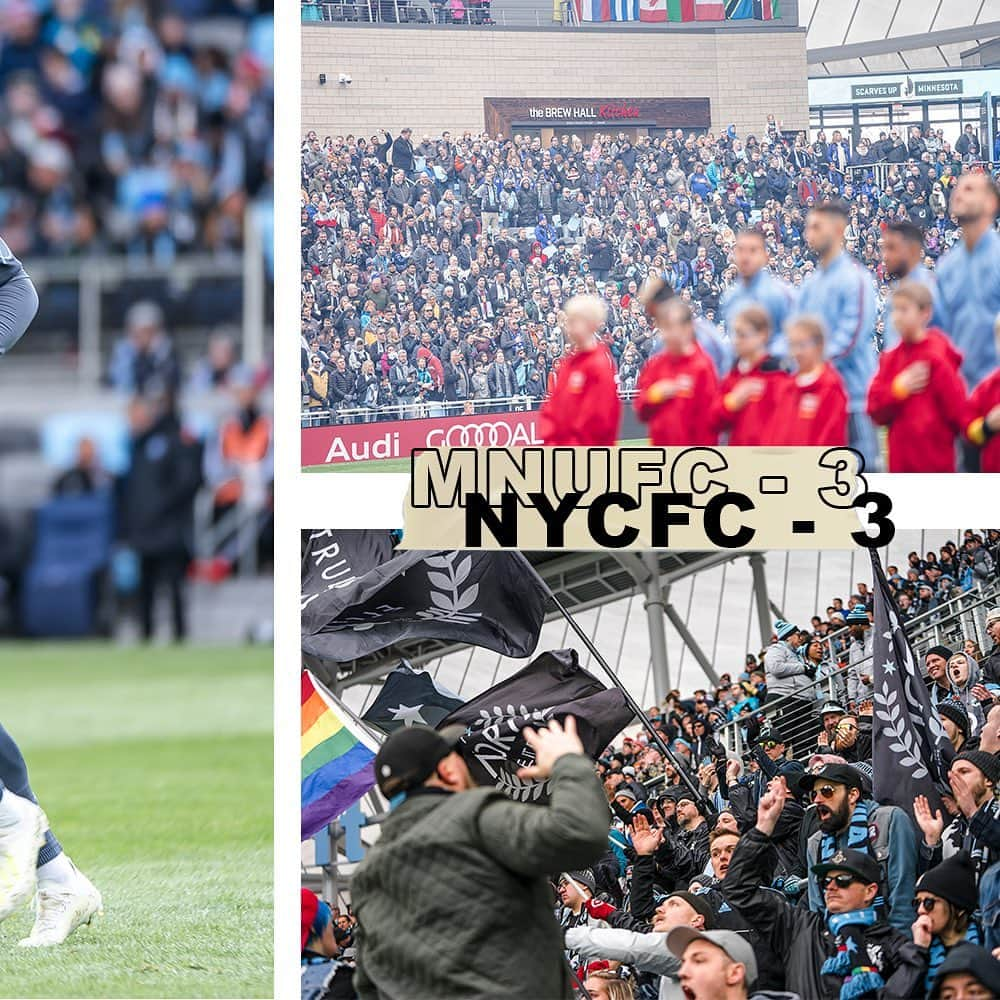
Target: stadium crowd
765,873
148,133
436,272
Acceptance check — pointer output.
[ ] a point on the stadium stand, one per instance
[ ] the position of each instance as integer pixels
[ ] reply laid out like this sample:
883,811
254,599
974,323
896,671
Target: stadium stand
136,166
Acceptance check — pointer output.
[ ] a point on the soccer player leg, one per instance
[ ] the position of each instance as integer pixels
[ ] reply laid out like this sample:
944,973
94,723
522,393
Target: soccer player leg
861,437
32,860
23,829
18,305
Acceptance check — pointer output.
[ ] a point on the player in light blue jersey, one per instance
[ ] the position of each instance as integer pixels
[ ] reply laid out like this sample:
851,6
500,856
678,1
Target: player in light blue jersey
18,299
33,861
968,276
842,293
755,285
903,258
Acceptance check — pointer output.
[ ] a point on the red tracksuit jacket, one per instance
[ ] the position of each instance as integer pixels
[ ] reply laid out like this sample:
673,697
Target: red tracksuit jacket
812,412
922,427
984,397
583,408
686,419
754,424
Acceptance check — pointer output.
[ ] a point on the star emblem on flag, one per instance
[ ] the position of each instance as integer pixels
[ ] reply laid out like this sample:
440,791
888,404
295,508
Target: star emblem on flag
409,715
889,667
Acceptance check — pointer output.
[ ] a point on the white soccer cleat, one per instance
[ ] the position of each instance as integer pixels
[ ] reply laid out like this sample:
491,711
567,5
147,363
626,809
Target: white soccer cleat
20,842
61,908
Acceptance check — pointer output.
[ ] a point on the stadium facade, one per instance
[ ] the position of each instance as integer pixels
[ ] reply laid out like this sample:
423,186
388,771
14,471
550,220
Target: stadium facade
534,81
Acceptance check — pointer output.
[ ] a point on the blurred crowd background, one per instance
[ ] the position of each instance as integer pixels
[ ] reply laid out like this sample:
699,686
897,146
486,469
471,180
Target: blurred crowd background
136,171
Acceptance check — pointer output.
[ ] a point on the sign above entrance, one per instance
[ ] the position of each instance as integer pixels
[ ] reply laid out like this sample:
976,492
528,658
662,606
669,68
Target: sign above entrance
932,88
864,91
586,112
504,114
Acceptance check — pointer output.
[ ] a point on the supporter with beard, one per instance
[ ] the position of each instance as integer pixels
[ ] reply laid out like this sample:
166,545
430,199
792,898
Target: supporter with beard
842,943
974,777
848,819
859,657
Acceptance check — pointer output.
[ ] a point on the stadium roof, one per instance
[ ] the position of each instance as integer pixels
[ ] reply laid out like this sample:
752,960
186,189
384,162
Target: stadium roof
886,36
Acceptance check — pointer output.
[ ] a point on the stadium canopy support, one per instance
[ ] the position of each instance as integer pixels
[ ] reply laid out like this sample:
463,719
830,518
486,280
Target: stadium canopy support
761,598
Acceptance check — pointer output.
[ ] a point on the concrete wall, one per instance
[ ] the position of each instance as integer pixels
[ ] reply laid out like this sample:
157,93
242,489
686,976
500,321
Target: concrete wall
433,79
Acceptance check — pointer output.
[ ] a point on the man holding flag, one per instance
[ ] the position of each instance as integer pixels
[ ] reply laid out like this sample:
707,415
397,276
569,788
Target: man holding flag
453,902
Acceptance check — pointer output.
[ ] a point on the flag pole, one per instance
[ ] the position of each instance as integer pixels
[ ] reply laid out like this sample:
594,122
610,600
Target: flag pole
629,700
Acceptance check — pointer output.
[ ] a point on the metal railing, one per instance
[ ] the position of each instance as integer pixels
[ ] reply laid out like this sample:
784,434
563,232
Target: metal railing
949,624
404,12
84,300
323,417
881,169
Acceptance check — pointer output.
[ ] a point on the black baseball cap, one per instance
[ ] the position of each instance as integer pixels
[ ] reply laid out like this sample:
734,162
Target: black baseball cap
857,863
410,755
841,774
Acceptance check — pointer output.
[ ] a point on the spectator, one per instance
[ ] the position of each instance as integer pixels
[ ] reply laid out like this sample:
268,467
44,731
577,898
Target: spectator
144,360
842,936
157,509
849,819
859,656
507,847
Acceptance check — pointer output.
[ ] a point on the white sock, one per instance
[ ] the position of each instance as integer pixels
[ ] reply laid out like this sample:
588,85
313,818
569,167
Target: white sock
59,871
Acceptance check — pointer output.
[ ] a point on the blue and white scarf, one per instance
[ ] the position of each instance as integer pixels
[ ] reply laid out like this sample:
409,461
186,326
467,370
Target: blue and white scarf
857,839
851,962
938,952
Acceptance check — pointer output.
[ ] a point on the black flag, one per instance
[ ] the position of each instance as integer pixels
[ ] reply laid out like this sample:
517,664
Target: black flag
553,685
332,560
911,751
410,697
490,599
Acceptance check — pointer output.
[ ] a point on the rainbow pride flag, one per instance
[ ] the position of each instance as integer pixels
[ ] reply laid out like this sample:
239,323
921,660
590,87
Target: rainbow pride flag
338,757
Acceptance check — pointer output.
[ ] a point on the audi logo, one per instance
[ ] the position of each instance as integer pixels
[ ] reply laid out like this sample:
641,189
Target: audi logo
490,434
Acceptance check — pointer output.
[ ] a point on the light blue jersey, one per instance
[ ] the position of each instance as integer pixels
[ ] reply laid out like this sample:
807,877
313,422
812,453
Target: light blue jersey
10,266
969,294
775,296
843,296
922,276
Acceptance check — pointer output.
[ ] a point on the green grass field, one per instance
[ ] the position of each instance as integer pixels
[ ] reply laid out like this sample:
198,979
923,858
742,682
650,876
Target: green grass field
400,464
155,769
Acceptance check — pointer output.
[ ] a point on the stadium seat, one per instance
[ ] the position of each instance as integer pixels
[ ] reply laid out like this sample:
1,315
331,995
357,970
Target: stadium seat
62,585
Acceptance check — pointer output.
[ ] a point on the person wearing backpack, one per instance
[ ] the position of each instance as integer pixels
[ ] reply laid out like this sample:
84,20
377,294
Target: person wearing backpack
850,819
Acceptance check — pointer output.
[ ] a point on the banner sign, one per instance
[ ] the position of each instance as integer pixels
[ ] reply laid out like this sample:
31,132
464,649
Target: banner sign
397,438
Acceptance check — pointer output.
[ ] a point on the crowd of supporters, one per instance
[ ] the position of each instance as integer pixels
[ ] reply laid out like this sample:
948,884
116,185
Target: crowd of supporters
148,132
436,270
776,859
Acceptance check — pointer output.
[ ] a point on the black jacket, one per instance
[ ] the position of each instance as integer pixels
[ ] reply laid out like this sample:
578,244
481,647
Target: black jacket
159,489
802,937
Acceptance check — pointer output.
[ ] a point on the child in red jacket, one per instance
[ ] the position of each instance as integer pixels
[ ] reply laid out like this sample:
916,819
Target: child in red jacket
984,417
677,386
749,394
812,408
917,391
583,408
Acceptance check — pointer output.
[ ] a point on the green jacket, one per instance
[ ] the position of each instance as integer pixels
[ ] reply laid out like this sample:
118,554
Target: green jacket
453,902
